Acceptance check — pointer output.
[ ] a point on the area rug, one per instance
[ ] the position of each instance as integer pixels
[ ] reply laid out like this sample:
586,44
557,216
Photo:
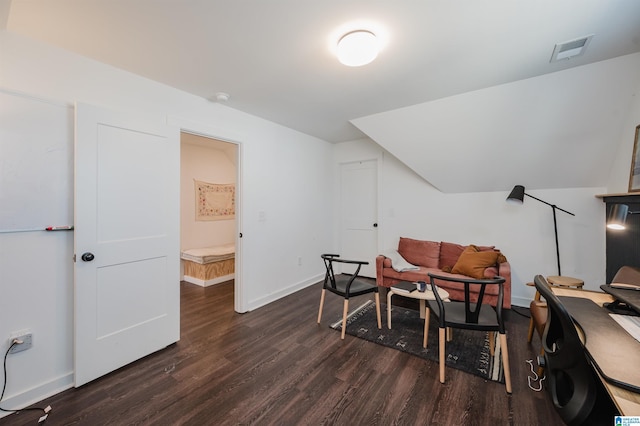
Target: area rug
468,351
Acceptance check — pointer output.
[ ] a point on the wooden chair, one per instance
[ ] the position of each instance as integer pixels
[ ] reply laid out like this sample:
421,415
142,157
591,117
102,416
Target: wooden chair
471,315
346,285
538,310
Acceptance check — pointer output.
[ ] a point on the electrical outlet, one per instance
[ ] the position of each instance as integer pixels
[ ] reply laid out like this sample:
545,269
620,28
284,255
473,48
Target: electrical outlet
299,261
25,336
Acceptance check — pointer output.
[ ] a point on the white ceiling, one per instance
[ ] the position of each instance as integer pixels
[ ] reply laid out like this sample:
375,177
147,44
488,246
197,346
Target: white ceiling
274,57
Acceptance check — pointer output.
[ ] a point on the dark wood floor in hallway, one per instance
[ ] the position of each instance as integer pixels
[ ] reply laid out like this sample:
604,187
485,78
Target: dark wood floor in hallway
276,366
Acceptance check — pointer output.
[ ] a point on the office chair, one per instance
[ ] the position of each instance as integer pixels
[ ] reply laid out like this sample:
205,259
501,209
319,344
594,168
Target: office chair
576,392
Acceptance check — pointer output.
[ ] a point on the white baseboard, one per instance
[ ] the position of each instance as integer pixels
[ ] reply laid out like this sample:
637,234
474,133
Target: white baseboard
521,301
254,304
37,393
206,283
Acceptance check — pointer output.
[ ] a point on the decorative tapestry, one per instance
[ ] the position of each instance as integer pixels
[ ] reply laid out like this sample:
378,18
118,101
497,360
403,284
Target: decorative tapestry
215,201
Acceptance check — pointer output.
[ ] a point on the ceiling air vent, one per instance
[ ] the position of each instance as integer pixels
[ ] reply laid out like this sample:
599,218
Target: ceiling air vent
570,49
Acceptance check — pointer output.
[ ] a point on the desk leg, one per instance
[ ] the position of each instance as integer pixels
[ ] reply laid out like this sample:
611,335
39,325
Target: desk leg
389,294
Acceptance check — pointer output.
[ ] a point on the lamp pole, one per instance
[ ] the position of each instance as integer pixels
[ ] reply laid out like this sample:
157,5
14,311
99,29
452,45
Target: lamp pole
555,226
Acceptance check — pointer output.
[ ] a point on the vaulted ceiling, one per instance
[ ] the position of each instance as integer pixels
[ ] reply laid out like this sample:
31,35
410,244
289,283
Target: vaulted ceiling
463,91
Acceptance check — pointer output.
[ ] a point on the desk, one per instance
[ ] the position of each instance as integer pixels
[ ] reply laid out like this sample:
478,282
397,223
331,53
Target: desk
627,402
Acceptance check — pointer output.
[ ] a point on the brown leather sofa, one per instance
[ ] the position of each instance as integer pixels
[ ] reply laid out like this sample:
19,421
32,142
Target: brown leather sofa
440,257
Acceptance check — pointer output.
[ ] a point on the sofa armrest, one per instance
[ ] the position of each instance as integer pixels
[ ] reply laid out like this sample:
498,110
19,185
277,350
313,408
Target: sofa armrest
379,265
504,270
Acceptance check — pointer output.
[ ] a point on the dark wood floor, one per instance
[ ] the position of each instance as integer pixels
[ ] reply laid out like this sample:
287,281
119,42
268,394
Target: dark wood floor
276,366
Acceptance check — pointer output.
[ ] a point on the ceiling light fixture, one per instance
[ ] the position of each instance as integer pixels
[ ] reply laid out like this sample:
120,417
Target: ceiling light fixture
357,48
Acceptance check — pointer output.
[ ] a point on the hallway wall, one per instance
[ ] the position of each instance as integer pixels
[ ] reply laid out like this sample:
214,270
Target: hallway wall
205,161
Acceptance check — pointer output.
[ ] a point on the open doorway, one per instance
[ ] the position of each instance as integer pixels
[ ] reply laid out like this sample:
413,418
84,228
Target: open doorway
208,223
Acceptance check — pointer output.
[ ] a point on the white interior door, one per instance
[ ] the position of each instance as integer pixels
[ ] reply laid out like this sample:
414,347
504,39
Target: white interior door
359,212
127,204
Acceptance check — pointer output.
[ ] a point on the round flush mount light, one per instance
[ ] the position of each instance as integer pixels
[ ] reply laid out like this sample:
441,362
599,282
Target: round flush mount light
357,48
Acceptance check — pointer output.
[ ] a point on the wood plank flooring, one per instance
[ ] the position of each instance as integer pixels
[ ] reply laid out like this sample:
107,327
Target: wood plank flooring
276,366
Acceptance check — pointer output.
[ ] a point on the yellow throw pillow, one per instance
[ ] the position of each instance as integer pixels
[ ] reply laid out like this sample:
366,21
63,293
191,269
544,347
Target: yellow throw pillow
472,262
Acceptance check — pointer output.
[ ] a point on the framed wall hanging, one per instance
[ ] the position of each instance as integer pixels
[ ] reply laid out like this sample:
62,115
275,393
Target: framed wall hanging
634,176
215,201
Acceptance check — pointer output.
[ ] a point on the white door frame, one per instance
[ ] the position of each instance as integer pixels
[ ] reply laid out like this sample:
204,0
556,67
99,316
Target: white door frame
339,165
199,129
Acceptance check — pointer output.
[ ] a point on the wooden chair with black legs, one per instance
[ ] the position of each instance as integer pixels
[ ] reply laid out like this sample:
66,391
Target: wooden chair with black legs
346,285
471,315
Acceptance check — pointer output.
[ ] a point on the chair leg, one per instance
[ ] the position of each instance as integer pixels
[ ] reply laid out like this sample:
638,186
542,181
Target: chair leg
449,334
530,333
321,304
442,335
505,361
344,317
389,294
426,326
541,368
492,343
378,310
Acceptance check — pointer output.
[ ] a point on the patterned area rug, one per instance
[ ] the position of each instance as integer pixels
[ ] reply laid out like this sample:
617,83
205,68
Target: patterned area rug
468,351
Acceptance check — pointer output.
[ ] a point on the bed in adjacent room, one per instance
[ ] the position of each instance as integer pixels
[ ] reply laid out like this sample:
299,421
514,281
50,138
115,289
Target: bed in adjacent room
209,265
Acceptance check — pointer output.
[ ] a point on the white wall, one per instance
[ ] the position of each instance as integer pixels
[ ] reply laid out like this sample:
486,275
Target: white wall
469,141
410,207
282,173
208,164
619,174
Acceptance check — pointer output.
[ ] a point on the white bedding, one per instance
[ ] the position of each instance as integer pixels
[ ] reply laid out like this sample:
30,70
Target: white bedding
209,254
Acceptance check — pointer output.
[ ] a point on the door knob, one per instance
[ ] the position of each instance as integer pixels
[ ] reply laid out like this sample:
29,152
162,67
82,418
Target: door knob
87,257
375,225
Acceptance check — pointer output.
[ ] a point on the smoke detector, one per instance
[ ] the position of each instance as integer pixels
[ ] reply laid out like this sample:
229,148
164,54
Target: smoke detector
570,49
222,97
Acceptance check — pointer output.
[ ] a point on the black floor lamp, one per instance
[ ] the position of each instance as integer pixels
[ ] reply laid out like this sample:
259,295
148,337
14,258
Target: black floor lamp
517,195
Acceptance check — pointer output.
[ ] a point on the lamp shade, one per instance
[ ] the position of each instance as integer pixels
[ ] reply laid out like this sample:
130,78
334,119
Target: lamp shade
517,194
617,217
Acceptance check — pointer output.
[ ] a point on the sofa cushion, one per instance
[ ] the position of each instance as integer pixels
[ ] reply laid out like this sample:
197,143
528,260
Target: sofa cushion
420,252
450,252
456,290
491,271
413,276
422,275
472,262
